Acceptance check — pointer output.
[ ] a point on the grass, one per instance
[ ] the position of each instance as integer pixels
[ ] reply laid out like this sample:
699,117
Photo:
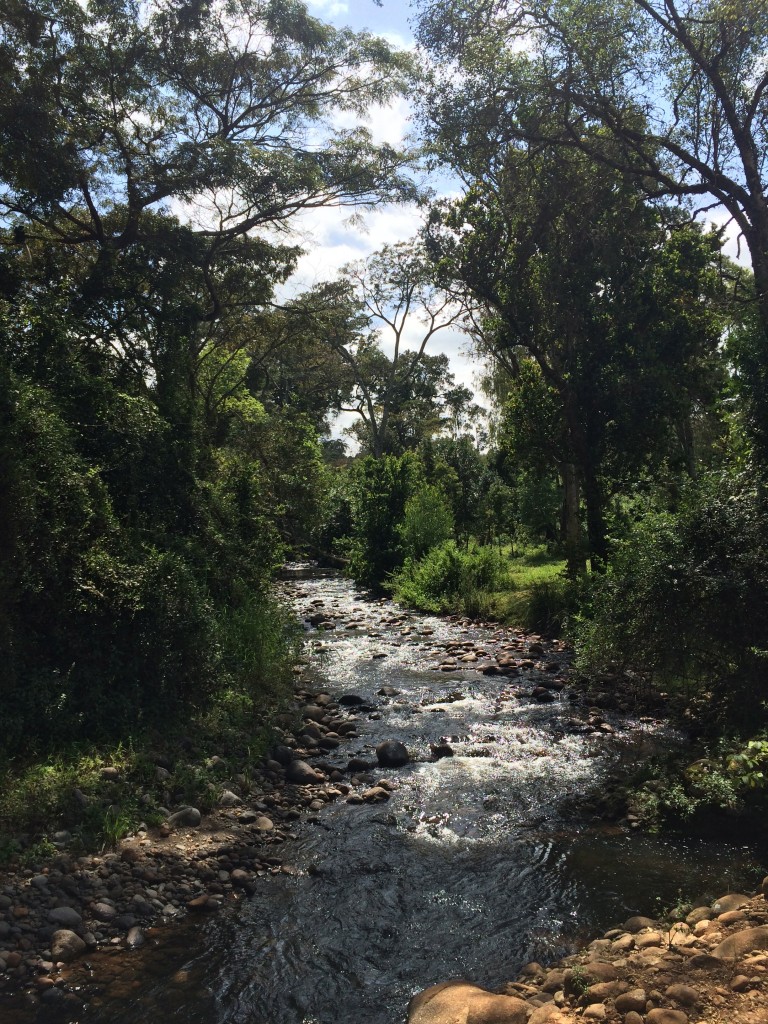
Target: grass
537,593
525,588
101,794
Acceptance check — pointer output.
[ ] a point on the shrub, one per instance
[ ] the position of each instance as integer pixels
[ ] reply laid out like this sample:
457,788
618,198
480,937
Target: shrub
449,579
428,521
685,599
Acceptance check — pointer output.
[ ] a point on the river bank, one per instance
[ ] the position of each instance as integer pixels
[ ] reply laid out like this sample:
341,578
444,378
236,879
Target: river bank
80,930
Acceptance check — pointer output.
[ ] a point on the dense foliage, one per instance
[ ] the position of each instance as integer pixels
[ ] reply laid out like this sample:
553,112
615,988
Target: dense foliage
155,461
165,405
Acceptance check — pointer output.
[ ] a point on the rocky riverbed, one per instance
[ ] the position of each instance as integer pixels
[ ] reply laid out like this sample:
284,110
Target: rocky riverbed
467,725
710,965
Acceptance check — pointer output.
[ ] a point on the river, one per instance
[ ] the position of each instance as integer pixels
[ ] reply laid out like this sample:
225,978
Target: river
474,866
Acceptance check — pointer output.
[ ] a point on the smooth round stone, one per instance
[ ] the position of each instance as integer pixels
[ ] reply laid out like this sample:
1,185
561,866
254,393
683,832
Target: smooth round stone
392,754
68,917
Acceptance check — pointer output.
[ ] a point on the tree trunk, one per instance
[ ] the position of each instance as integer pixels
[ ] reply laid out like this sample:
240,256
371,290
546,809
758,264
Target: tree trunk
574,548
596,531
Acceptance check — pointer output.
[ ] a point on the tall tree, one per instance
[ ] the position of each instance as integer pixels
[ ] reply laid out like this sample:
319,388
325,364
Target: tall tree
577,272
680,89
368,317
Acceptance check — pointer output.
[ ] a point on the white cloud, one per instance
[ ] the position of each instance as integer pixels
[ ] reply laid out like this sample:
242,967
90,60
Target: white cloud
735,245
328,8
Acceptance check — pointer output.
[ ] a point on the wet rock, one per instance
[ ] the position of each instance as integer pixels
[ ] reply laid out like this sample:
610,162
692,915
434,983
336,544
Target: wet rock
352,700
375,795
66,946
187,816
301,773
543,695
439,750
388,691
458,1001
392,754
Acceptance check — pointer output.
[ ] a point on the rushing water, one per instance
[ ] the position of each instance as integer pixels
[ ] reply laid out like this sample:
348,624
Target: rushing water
471,869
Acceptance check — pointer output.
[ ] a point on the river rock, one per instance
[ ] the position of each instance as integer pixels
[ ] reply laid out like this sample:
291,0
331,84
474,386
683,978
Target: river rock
742,942
103,911
595,1011
660,1015
392,754
375,795
458,1002
135,938
229,799
698,914
548,1014
600,970
439,750
636,924
352,700
683,994
732,901
187,816
635,1000
67,917
301,773
66,946
282,754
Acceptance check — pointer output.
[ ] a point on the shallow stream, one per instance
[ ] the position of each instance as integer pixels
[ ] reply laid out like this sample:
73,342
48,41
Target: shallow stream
472,868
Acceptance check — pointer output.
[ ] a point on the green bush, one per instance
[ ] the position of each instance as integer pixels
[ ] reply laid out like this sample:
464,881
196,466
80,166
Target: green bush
428,521
685,600
381,489
449,579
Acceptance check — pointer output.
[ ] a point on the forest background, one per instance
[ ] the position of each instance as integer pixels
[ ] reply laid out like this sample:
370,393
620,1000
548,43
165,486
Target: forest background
166,401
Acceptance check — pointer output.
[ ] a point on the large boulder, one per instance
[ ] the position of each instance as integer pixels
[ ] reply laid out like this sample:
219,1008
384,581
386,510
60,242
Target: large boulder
458,1002
392,754
741,943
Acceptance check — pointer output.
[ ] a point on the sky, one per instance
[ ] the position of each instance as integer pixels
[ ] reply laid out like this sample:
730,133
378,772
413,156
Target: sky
331,237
